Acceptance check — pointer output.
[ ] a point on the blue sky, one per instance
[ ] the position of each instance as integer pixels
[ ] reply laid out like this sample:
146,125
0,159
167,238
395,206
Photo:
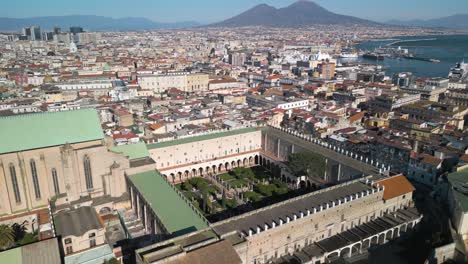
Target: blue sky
215,10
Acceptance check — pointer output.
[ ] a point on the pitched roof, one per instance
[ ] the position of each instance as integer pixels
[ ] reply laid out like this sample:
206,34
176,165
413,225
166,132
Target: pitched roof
42,252
177,216
76,222
41,130
396,186
225,253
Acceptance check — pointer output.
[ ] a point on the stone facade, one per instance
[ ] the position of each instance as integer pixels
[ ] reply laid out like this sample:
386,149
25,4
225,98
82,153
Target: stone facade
59,173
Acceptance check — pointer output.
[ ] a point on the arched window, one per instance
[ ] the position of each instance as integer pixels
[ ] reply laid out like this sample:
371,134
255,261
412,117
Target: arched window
35,180
14,181
88,174
55,181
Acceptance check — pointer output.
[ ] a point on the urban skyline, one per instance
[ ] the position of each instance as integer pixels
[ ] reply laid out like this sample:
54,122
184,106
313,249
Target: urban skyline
290,135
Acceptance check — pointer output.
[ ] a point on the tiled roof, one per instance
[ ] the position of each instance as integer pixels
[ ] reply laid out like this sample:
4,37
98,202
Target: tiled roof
396,186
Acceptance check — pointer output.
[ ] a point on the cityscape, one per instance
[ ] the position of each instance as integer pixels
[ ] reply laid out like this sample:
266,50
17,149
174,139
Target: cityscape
286,133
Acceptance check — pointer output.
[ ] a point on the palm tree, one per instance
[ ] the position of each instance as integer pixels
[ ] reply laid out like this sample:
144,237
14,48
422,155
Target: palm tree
7,237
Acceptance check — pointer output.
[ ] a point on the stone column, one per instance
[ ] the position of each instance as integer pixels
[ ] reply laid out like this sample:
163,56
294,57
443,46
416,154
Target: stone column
326,169
131,197
137,211
339,172
279,147
145,219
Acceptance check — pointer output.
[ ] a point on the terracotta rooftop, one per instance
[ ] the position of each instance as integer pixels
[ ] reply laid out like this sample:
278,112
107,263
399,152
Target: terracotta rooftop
396,186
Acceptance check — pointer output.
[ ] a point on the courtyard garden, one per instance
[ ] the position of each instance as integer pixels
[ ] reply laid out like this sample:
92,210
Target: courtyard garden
241,190
204,195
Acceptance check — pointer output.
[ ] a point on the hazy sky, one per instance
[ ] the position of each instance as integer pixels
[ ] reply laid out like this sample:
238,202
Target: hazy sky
215,10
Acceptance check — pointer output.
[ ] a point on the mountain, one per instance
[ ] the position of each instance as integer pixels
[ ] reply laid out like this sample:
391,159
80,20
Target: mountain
459,21
301,13
92,23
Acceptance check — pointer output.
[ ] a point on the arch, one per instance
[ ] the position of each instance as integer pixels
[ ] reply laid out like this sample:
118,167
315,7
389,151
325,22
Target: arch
256,161
208,170
220,168
356,249
214,169
245,162
239,162
302,184
366,243
345,252
88,172
179,174
200,171
226,166
381,239
374,240
333,255
186,174
233,164
389,235
173,177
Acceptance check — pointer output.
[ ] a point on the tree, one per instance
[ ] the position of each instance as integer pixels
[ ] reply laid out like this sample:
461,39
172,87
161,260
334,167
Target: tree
112,261
7,237
187,186
307,164
223,200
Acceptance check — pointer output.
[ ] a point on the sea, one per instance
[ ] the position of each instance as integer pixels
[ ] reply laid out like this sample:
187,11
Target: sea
449,49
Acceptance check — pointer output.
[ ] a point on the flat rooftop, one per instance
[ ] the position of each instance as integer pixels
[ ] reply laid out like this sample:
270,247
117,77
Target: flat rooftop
290,207
175,213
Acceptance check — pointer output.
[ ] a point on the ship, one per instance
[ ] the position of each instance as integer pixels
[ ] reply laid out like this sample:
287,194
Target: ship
373,56
349,55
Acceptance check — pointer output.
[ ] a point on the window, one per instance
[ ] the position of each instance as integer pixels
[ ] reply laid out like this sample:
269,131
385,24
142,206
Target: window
88,174
68,241
14,182
92,242
55,181
37,190
69,250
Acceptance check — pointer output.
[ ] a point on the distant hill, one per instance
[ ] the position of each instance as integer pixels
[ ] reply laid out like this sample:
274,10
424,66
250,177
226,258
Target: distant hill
301,13
459,21
89,22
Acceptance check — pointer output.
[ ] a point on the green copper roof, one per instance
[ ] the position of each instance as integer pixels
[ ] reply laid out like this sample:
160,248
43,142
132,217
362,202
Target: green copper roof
174,212
459,182
11,256
33,131
133,151
203,137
